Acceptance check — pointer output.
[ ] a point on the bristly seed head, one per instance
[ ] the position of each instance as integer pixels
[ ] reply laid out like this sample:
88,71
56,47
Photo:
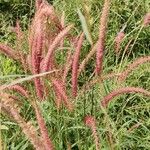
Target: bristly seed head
146,21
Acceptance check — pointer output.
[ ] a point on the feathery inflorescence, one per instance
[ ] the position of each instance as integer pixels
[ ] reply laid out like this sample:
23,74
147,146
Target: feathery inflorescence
146,21
75,65
90,121
8,51
62,93
118,41
102,35
105,101
133,66
44,132
29,130
47,62
20,89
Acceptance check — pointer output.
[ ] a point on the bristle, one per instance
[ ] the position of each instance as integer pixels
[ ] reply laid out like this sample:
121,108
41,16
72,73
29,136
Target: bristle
8,51
44,132
75,65
132,67
61,90
146,21
102,35
47,63
90,121
105,101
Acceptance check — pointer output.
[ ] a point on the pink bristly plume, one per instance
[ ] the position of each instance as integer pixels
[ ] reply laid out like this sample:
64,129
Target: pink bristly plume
62,93
75,64
38,4
20,89
47,62
133,66
102,35
105,101
90,121
44,132
146,21
8,51
118,41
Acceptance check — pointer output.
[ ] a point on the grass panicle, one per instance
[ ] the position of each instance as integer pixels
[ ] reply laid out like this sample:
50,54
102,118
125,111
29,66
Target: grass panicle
102,35
105,101
20,89
75,65
47,62
44,132
146,21
8,51
27,128
90,121
61,91
133,66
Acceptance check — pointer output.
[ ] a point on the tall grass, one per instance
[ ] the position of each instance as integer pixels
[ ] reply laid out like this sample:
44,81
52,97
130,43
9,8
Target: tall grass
71,84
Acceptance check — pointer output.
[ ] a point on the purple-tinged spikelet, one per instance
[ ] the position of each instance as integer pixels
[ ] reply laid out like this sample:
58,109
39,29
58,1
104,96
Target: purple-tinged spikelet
90,121
36,54
8,51
118,41
105,101
47,62
44,132
67,66
75,64
61,90
132,67
7,103
102,35
20,89
146,21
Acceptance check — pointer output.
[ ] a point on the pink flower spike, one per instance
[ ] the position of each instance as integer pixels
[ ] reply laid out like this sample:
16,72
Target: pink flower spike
47,62
146,21
102,36
20,90
120,91
61,90
118,41
75,65
8,51
90,121
38,3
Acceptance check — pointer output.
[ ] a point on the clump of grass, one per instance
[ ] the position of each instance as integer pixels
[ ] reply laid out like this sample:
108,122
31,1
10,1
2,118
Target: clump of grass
48,35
